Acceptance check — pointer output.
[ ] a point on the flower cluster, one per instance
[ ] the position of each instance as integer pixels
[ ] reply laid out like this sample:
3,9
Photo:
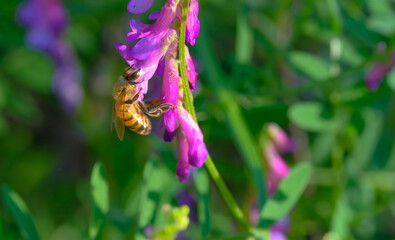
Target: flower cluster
156,52
45,21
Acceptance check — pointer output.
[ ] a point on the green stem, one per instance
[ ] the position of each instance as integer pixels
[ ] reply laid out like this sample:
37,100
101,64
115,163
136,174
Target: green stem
181,47
188,100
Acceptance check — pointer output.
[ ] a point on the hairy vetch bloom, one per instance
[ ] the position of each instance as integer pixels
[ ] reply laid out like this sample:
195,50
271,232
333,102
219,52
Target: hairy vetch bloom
155,51
45,21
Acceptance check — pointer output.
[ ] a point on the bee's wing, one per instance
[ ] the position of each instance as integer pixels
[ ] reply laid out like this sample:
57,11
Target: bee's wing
118,123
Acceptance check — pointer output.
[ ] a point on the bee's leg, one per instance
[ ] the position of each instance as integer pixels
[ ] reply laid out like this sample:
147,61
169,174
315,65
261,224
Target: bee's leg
152,103
156,111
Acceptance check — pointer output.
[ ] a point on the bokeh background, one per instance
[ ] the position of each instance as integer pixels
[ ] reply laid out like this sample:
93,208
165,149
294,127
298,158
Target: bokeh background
300,64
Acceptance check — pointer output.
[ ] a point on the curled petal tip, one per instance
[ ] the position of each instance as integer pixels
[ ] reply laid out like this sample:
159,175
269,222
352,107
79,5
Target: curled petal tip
169,136
183,171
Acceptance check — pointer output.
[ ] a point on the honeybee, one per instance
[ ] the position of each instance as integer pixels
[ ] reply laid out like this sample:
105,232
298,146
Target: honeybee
128,110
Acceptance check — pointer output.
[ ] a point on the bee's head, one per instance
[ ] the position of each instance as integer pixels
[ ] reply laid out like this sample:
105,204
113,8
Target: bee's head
131,74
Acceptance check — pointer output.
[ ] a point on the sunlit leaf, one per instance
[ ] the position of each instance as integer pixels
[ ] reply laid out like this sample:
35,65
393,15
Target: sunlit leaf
287,194
341,217
310,116
20,212
99,191
313,66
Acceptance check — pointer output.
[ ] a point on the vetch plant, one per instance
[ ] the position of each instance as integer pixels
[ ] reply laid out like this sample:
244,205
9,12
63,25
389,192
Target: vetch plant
160,48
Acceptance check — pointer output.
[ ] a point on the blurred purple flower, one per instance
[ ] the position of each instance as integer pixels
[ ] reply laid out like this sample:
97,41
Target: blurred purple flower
276,141
184,198
278,169
280,139
45,21
149,231
156,52
378,71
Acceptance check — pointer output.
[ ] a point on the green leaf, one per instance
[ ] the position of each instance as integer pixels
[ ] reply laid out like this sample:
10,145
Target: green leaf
341,217
20,212
335,15
202,187
286,195
310,116
314,67
99,191
244,35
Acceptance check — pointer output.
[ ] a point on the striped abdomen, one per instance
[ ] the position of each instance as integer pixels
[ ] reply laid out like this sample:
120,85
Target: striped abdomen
135,119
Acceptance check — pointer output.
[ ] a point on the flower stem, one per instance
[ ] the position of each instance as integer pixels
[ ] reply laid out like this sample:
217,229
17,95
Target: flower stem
181,47
188,100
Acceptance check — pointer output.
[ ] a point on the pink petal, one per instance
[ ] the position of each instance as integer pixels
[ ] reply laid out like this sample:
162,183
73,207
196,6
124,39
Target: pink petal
197,150
125,52
170,91
183,167
153,15
146,48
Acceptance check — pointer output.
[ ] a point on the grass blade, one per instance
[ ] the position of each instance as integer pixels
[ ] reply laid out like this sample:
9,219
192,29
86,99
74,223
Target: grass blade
99,191
20,212
203,187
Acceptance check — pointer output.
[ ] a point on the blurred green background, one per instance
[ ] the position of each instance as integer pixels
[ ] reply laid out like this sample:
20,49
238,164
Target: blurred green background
300,64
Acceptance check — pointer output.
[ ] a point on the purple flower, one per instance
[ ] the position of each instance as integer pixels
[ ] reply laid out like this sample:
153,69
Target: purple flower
184,198
197,152
45,20
378,71
193,23
148,66
279,230
183,166
278,169
156,30
280,139
277,141
170,91
156,52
